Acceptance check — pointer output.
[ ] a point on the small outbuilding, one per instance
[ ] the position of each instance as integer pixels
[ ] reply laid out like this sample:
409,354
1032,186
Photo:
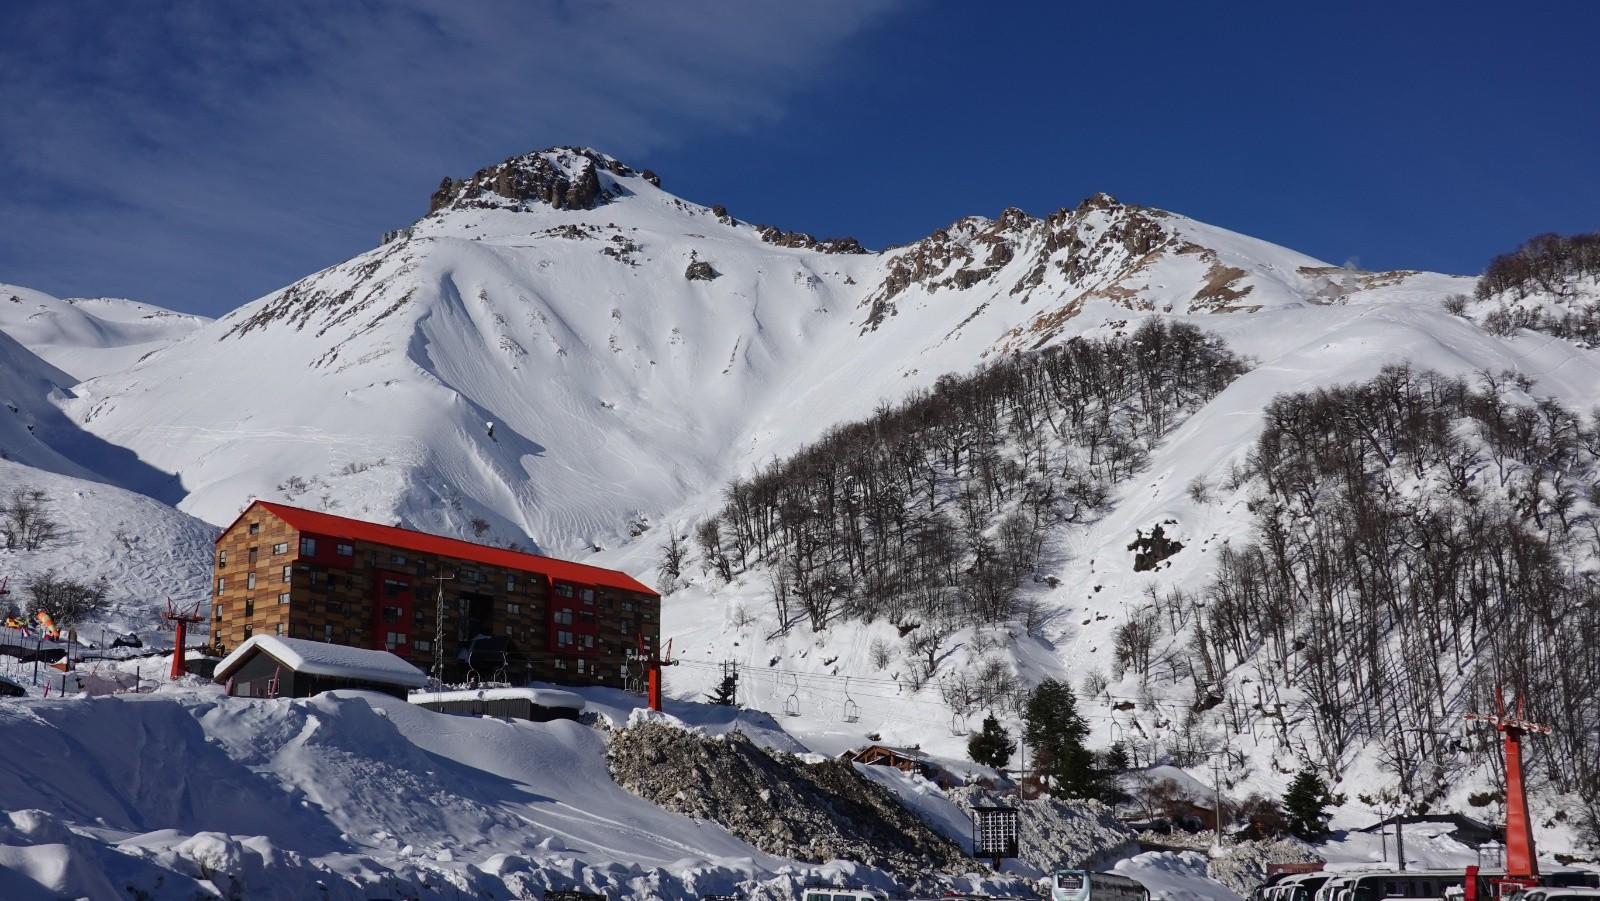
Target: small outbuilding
906,760
267,666
1464,829
540,705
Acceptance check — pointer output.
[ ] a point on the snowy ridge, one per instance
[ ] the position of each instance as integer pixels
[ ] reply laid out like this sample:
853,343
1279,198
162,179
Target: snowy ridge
87,337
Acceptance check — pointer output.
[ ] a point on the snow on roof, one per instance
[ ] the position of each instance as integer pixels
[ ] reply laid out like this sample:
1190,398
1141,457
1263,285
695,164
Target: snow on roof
544,697
333,526
907,753
318,658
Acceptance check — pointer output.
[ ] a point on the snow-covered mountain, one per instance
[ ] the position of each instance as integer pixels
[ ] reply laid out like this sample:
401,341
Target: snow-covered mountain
567,353
633,349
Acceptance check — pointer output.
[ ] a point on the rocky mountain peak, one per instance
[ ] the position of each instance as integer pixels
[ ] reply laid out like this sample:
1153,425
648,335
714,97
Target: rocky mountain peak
1099,201
560,177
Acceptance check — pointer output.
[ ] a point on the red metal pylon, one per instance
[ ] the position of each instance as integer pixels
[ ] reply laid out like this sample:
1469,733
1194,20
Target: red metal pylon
180,621
653,664
1522,861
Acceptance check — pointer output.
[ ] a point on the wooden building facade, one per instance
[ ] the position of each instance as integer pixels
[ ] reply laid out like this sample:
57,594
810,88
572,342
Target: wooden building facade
508,616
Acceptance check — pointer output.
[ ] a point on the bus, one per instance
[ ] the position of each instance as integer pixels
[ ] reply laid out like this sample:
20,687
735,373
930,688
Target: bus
1082,885
844,894
1390,885
1425,885
1291,887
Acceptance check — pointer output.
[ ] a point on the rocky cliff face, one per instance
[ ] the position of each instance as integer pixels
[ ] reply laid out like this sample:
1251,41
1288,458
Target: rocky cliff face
561,177
778,802
1100,249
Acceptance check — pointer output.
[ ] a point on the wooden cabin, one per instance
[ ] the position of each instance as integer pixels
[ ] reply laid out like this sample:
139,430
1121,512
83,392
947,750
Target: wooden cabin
266,666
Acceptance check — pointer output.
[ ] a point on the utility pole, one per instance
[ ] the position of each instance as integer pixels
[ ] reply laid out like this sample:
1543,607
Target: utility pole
1216,782
730,678
438,629
1402,806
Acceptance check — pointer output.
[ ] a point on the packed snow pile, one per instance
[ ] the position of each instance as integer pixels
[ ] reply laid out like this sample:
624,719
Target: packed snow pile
778,802
1176,876
348,795
1061,833
1244,865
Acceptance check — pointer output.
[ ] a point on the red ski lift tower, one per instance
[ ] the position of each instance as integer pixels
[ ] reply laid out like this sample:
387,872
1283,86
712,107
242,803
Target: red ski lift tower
1522,861
180,620
652,665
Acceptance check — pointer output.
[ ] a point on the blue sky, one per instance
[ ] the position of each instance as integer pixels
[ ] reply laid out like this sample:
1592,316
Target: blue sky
200,153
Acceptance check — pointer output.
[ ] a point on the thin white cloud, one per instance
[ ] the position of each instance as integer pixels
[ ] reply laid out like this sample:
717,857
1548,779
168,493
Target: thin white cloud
171,144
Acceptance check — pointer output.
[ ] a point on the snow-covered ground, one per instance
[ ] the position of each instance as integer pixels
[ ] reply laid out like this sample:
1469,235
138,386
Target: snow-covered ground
184,793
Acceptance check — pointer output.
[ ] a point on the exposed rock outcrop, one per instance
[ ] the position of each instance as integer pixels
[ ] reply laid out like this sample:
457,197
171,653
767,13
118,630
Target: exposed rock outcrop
700,271
778,802
774,235
561,177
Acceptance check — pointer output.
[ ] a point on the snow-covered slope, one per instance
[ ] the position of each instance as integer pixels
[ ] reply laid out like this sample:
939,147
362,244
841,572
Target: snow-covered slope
146,551
352,795
632,349
86,337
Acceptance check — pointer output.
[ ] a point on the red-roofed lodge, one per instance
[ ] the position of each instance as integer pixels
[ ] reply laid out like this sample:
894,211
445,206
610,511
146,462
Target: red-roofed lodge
508,616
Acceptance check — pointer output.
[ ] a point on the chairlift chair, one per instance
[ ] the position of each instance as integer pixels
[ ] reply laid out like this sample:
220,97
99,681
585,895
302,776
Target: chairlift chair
791,704
852,711
958,724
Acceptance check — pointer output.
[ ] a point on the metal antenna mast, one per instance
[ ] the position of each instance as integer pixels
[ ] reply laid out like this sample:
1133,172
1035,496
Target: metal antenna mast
438,629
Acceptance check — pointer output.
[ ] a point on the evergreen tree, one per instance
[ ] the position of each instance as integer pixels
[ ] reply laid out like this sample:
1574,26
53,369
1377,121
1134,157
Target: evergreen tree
991,746
1055,732
1306,804
726,692
1117,758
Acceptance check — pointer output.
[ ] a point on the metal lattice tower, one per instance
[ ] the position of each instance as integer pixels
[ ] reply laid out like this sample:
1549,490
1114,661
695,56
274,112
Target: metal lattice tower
438,629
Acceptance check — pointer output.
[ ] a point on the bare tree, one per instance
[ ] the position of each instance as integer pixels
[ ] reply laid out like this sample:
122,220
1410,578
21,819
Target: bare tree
708,535
25,520
67,601
669,568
